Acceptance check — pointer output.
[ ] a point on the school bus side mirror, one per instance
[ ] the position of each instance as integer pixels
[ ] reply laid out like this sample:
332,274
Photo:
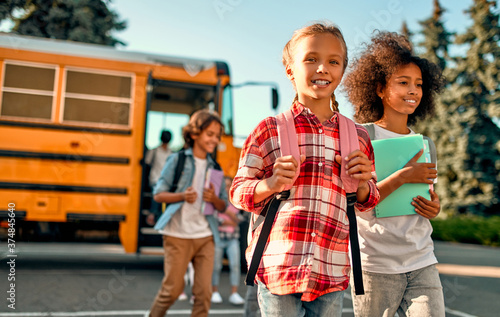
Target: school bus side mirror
275,98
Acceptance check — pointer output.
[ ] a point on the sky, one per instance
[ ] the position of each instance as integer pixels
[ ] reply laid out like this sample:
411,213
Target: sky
250,36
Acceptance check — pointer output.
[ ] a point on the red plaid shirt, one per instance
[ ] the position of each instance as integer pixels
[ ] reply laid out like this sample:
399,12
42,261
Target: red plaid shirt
307,251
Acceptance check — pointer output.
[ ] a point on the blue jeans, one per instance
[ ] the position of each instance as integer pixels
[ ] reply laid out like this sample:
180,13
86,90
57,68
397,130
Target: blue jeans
232,248
251,307
291,305
416,293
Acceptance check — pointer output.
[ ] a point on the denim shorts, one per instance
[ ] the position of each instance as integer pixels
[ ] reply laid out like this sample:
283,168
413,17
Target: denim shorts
416,293
271,305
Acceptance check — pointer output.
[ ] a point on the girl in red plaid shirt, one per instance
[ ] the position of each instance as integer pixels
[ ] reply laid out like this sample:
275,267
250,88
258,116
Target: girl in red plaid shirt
305,266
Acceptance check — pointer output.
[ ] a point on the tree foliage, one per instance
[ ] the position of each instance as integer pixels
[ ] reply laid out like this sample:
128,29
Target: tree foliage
467,139
88,21
437,38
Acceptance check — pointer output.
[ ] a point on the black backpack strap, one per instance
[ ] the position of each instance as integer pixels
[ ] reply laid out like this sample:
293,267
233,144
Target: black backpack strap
217,166
355,253
270,210
178,170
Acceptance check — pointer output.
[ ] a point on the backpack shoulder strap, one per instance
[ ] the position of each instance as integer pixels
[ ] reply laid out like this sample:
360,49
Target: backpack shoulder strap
370,127
178,170
289,143
348,143
432,150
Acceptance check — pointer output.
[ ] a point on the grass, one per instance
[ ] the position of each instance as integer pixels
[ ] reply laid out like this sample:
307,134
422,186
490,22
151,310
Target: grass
468,229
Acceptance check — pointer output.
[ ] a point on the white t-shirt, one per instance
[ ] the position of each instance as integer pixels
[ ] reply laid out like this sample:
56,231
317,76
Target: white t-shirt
189,222
157,157
393,245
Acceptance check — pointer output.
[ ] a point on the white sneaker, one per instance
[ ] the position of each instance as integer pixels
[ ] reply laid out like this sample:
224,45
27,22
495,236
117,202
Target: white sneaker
183,296
236,299
216,298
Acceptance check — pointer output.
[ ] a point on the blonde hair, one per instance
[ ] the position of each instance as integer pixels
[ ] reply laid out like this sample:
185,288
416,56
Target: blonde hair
199,121
311,30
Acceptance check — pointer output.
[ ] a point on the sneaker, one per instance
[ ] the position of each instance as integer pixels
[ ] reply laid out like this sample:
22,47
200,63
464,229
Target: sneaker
236,299
191,301
183,296
216,298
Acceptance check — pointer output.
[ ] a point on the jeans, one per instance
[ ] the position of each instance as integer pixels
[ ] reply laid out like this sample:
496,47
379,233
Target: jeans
416,293
271,305
251,307
232,247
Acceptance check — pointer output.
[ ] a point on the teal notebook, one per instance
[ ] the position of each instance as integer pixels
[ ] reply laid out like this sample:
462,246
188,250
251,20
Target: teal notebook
392,155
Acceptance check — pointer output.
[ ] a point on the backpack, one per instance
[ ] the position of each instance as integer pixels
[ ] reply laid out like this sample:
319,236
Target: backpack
180,167
289,146
178,172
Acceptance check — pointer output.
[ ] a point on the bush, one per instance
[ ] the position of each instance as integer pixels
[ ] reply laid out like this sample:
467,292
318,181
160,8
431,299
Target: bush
468,229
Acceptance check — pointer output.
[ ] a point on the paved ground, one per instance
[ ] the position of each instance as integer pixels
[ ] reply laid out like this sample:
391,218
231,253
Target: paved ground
55,278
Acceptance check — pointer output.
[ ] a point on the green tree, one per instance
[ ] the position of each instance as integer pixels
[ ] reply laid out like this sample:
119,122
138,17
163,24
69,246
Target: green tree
89,21
436,38
466,137
406,31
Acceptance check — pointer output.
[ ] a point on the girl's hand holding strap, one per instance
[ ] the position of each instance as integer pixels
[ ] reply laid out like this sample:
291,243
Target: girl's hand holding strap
283,173
359,167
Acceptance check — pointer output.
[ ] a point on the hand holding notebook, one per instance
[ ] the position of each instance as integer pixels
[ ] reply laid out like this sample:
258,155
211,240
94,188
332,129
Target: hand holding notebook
214,177
392,155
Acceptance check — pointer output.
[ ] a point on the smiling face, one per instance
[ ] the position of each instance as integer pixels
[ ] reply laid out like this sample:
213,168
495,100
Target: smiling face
207,140
403,91
317,67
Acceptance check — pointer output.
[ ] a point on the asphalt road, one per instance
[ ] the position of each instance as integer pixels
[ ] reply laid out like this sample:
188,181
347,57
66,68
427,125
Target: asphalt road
75,279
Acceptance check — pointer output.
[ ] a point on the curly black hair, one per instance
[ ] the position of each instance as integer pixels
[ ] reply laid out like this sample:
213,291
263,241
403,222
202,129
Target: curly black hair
381,58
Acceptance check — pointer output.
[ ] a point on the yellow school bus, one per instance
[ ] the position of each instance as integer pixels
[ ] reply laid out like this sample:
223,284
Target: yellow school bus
75,120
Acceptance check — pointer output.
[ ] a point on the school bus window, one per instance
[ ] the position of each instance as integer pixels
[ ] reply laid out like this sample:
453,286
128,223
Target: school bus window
28,77
97,98
98,84
93,111
26,106
28,91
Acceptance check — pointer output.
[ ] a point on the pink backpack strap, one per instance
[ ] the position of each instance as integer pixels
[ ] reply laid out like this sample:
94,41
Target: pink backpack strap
289,144
348,143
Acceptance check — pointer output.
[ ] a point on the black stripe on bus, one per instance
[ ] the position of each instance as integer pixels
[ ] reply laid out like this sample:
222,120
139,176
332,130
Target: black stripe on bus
94,217
65,157
62,127
19,214
64,188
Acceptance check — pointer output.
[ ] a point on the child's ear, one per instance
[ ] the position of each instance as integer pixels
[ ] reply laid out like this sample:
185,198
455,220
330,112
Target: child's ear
289,72
380,91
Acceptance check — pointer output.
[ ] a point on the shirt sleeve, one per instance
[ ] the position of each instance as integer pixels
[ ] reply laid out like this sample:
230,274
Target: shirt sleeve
367,148
255,164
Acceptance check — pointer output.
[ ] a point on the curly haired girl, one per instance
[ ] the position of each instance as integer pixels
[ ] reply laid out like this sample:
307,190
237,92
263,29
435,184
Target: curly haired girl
391,88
